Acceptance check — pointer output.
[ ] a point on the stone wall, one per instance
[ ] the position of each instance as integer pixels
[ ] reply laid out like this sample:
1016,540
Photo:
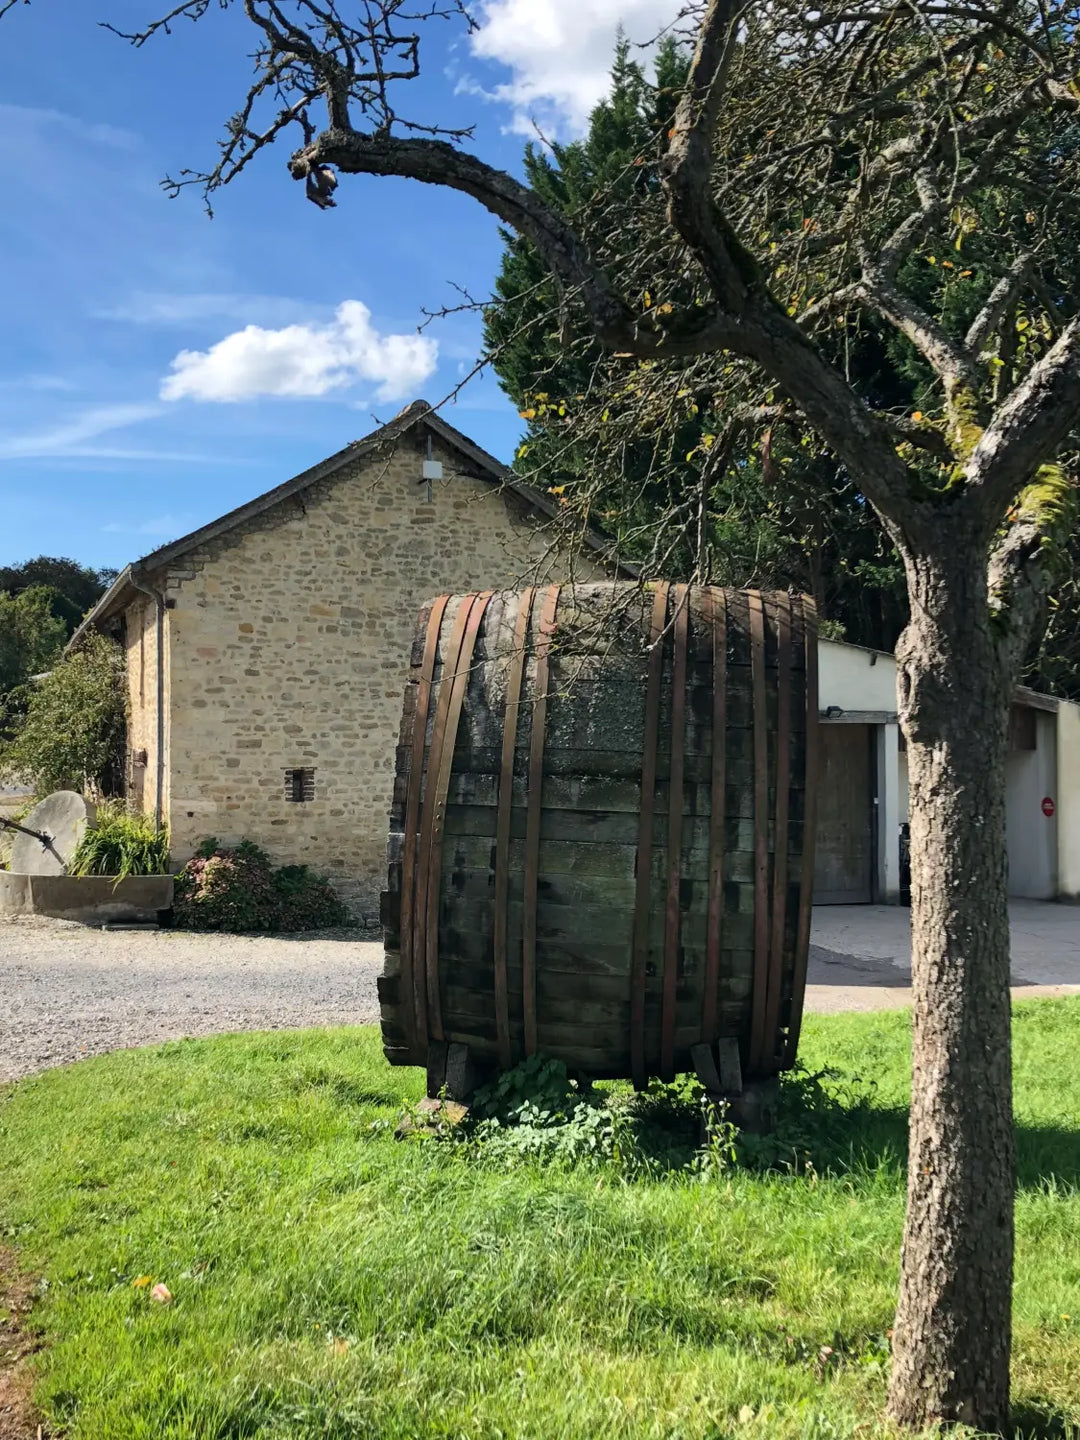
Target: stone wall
289,645
139,637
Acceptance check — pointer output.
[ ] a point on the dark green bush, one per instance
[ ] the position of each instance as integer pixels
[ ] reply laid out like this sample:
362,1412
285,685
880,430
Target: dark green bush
308,901
239,890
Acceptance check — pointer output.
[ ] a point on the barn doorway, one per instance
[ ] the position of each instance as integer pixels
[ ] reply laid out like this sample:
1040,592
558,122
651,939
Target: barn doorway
845,864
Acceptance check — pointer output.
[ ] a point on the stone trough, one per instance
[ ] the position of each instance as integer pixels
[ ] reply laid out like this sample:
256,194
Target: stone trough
88,899
38,884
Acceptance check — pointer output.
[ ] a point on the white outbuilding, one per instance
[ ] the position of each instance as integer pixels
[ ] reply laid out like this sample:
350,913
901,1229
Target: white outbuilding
863,799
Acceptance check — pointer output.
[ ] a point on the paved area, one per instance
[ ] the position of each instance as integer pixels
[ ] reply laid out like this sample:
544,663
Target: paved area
67,991
860,955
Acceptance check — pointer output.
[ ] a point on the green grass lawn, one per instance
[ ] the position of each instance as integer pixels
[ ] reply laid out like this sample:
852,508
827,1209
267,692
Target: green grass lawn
331,1281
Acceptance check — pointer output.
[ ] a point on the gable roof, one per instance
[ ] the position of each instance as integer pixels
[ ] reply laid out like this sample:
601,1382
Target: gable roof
418,415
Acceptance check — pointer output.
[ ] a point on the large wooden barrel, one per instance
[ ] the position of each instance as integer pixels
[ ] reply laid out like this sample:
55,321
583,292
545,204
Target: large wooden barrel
601,843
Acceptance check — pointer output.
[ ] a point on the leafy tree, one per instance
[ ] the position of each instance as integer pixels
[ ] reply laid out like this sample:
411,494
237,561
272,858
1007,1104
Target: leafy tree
68,729
31,636
75,588
820,165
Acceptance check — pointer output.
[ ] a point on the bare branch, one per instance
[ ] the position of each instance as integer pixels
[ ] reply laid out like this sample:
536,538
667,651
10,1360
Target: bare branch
1052,309
1028,427
910,432
314,54
688,165
999,300
923,437
931,339
859,438
435,162
1020,579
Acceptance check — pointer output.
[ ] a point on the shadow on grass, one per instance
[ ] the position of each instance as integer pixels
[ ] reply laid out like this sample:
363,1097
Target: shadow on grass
344,1089
1043,1153
1034,1420
835,1117
830,1123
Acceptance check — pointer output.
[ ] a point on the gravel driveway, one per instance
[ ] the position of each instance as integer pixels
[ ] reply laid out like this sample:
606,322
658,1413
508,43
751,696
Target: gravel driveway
67,991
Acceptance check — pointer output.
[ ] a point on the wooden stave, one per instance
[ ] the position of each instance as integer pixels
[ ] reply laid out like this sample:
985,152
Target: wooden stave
570,765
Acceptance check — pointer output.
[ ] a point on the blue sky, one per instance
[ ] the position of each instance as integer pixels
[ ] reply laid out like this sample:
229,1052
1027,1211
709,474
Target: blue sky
158,368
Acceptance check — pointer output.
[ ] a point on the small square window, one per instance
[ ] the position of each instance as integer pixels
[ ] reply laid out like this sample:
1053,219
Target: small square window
299,785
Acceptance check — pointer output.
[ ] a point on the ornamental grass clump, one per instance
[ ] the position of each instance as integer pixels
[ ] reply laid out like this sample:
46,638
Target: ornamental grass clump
121,844
237,889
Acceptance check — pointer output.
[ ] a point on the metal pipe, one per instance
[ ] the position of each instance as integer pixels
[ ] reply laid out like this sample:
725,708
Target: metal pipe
40,835
159,788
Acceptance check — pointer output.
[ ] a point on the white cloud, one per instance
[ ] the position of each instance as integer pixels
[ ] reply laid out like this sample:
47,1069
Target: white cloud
74,438
160,526
303,361
559,52
39,118
162,307
36,382
70,436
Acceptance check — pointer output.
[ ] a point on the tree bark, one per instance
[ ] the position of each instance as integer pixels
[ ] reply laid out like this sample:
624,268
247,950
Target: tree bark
952,1335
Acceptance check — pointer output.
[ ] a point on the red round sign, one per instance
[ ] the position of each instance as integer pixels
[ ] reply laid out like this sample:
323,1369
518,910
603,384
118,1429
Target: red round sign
1048,807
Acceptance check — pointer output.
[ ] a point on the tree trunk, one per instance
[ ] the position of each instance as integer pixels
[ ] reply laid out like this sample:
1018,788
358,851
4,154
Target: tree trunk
953,1326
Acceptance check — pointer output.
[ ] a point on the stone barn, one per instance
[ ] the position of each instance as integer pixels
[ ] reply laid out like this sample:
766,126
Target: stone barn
267,651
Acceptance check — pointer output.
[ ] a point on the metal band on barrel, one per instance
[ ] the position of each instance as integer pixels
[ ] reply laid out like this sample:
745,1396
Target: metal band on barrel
447,714
716,601
761,832
414,1013
502,827
640,957
534,804
772,1054
810,781
672,908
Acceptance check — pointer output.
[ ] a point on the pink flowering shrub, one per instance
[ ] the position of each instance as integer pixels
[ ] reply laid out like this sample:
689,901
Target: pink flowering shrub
239,890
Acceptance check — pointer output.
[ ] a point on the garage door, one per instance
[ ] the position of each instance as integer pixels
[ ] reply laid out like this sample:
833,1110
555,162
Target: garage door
843,867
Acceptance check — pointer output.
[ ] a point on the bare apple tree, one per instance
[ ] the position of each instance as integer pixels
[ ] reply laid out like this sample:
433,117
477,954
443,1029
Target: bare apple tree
826,169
